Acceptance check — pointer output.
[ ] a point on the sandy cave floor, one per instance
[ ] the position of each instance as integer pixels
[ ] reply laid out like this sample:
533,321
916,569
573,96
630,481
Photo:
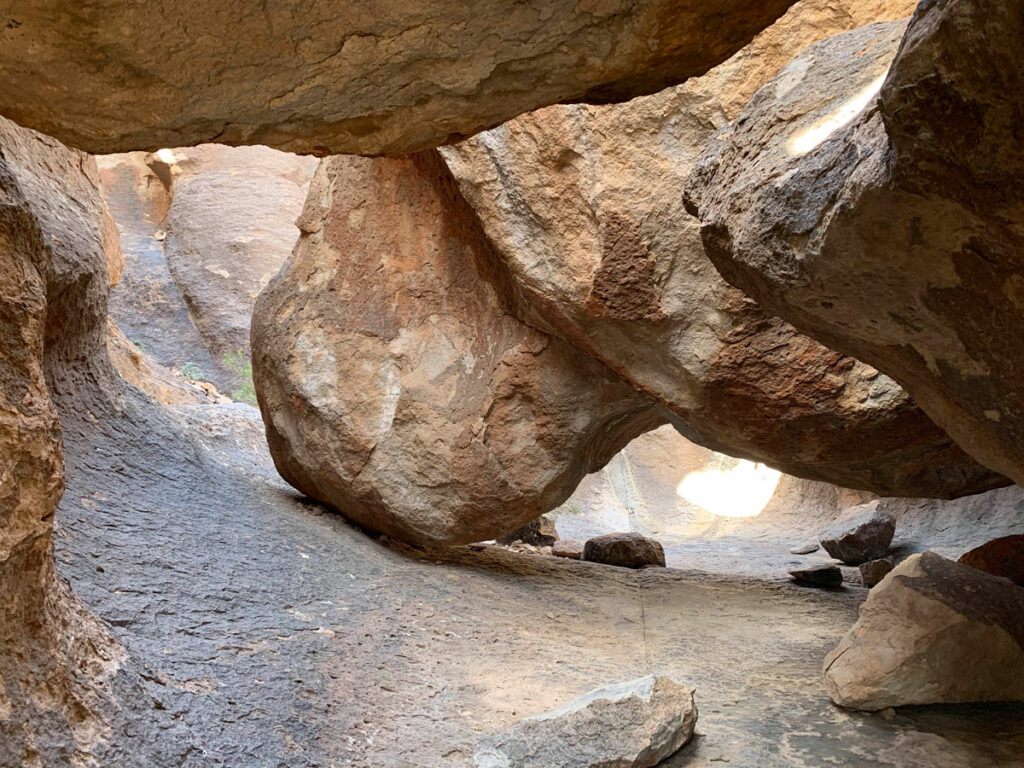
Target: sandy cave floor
271,633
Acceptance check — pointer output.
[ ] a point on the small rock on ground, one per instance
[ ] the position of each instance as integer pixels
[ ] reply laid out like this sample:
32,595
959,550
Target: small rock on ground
805,549
863,534
626,550
874,571
571,548
636,724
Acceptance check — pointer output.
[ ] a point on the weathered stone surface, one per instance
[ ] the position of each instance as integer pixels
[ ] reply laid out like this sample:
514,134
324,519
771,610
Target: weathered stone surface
568,548
818,575
873,571
805,549
393,383
314,77
1000,557
628,725
540,532
933,631
58,664
863,534
891,228
585,207
204,229
626,550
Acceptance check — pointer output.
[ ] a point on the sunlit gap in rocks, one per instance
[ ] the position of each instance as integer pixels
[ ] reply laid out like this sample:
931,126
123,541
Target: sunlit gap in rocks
743,491
809,138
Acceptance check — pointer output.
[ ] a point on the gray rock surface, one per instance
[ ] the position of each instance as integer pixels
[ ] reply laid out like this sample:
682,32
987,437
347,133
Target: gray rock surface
636,724
888,183
818,575
864,533
625,550
805,549
317,77
934,631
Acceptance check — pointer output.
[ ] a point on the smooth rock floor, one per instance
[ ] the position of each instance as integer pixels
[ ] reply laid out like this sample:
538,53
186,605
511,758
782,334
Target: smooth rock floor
270,633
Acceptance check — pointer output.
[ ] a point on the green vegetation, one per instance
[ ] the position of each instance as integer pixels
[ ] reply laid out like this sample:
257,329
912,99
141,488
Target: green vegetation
191,371
240,365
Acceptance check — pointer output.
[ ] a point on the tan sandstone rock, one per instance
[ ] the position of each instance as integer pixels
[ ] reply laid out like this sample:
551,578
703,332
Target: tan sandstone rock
890,228
585,207
56,660
393,382
321,77
933,631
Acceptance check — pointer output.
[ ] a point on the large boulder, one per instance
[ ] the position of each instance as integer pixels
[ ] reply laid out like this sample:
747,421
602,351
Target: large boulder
393,381
58,664
203,229
1000,557
890,227
933,631
584,205
321,77
637,724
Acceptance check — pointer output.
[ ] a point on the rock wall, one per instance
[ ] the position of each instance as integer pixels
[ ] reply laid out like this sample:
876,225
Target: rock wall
62,677
203,230
317,77
884,168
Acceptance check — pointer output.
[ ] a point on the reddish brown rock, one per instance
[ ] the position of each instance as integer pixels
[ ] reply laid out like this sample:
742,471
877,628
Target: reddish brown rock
321,77
1000,557
625,550
393,382
873,571
890,227
568,548
585,207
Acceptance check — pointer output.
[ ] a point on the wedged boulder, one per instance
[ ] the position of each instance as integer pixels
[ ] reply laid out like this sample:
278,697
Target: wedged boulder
387,77
637,724
864,533
625,550
933,631
1000,557
584,205
890,227
204,229
540,532
394,384
58,664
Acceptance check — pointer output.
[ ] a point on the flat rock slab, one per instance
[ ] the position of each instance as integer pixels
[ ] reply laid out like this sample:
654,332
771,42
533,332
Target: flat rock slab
626,550
804,549
636,724
934,631
818,576
863,534
570,548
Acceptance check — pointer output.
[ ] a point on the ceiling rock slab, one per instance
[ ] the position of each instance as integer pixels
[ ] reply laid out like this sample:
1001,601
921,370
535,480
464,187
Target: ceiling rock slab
397,388
584,206
321,77
891,228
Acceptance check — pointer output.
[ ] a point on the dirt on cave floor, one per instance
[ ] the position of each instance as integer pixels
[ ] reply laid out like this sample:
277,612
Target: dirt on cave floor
269,632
